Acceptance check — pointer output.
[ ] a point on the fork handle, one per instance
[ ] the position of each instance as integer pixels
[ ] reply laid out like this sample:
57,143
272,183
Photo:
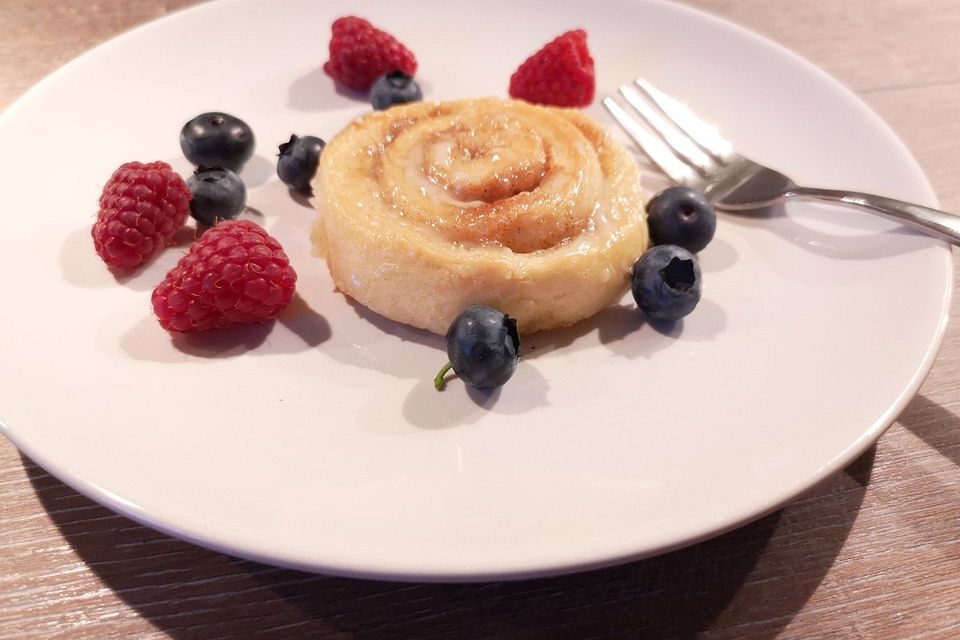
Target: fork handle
941,224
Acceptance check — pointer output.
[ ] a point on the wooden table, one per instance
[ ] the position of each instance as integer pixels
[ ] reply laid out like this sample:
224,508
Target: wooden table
873,552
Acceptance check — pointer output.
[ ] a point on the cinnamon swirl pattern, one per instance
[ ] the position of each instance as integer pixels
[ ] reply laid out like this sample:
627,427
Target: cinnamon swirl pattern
428,208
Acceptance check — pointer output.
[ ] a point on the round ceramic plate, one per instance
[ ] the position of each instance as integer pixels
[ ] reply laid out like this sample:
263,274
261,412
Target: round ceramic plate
318,441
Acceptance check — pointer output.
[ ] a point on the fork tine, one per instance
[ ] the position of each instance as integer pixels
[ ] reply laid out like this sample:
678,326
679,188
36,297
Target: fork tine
705,135
654,148
681,143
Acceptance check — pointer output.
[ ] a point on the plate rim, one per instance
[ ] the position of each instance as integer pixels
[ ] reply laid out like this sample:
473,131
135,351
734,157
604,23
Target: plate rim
594,557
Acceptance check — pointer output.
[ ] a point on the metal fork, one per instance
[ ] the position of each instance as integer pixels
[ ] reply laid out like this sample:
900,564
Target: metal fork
694,154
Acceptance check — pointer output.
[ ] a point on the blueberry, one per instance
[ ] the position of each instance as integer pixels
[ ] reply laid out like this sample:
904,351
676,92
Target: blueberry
217,140
483,346
393,88
683,217
298,159
218,194
666,282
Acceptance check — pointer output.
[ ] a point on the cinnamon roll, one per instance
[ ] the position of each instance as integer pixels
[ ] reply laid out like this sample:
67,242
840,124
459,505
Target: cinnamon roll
428,208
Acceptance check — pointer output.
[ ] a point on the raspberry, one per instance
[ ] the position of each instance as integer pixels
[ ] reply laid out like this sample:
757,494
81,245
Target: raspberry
141,207
560,74
360,53
234,274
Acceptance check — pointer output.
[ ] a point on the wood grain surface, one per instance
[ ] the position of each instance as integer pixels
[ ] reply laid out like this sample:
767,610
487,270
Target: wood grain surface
873,552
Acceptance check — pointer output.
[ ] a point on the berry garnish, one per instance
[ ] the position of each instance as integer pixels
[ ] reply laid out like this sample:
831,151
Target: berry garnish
298,159
234,274
141,207
560,74
683,217
217,139
218,194
360,53
666,282
483,346
393,88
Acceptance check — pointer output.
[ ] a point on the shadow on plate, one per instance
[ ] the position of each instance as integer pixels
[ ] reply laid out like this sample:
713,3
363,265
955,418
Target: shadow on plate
301,198
305,323
616,322
82,267
623,329
620,328
259,170
316,91
869,245
747,583
717,256
306,329
458,405
405,332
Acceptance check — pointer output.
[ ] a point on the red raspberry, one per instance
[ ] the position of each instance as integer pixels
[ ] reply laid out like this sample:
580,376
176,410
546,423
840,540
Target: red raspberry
236,273
360,53
141,207
560,74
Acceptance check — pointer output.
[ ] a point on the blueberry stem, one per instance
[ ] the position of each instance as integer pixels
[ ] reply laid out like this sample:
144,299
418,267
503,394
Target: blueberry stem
438,382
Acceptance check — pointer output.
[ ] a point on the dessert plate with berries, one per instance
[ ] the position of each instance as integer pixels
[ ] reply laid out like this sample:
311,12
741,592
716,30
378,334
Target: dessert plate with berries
205,241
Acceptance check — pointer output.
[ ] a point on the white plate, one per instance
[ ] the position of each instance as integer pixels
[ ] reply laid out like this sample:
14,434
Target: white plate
319,443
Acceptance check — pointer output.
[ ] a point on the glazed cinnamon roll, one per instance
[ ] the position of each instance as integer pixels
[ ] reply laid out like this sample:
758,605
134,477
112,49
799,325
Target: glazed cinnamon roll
428,208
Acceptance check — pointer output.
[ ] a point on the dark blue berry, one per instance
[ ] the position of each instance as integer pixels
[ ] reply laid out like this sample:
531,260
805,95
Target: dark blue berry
218,194
393,88
683,217
298,160
483,346
217,140
666,282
